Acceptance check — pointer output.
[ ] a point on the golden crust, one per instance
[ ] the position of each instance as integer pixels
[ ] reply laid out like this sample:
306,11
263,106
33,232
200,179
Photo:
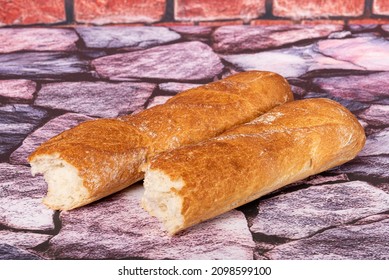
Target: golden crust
289,143
108,153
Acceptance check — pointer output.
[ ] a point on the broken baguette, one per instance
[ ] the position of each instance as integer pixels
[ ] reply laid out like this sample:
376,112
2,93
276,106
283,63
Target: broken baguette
100,157
191,184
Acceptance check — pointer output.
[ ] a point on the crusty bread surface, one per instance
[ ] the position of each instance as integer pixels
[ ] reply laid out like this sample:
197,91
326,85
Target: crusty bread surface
293,141
100,157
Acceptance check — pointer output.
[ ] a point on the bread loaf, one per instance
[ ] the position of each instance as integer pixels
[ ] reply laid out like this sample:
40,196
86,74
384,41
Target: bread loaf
100,157
293,141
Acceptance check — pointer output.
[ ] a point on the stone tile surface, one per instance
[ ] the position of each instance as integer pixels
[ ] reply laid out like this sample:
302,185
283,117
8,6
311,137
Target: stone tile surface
120,228
18,89
304,212
237,39
52,79
164,63
377,143
375,51
100,99
16,122
41,65
44,133
376,115
8,252
21,200
132,38
357,87
193,33
37,39
289,62
23,240
367,242
368,167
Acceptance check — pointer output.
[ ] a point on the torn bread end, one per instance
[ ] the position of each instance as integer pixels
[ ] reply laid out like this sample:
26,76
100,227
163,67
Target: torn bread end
65,186
161,200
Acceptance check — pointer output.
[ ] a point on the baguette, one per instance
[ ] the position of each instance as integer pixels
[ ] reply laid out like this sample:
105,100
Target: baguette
100,157
291,142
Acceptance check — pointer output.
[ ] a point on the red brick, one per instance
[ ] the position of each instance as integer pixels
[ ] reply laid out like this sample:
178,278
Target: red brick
381,7
221,23
174,23
204,10
317,8
369,21
271,22
321,21
31,12
119,11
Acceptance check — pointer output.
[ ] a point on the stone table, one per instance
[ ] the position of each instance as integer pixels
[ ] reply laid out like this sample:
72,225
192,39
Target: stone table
51,79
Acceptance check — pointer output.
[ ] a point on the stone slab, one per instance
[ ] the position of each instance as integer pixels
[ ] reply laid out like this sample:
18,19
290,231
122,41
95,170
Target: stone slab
41,65
360,242
304,212
376,114
100,99
375,51
8,252
369,167
22,239
16,122
357,87
37,39
128,37
162,63
377,144
244,38
21,200
17,89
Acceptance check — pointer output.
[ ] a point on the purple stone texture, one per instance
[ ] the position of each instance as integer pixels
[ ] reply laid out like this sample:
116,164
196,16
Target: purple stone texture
17,89
368,167
375,51
163,63
23,240
359,241
37,39
243,38
16,122
100,99
304,212
376,115
44,133
41,65
21,200
357,87
289,62
377,144
130,38
8,252
120,228
66,76
194,33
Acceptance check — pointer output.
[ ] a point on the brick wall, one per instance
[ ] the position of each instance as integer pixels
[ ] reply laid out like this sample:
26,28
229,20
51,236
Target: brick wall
188,12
